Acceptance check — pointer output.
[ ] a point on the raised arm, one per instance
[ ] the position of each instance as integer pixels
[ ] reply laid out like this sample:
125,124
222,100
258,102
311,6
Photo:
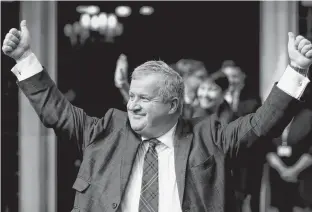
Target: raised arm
53,109
278,109
121,77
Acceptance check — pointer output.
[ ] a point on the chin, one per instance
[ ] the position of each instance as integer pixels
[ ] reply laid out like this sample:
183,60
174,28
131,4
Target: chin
207,105
137,127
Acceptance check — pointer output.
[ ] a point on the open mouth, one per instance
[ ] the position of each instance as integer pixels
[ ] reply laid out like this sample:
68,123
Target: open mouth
207,99
135,115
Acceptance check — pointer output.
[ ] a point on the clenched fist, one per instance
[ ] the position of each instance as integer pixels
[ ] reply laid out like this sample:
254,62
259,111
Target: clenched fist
299,51
17,43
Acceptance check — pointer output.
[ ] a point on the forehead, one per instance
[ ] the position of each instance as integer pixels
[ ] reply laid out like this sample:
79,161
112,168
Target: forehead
208,83
232,71
145,84
200,72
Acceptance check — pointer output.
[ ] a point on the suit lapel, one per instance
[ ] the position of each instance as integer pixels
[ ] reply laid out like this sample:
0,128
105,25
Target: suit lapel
131,145
182,145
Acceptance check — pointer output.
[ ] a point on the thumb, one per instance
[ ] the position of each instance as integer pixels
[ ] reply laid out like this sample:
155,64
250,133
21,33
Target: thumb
291,39
23,26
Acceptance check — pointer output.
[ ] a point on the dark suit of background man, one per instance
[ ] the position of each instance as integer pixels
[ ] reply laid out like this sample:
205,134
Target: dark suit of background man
124,167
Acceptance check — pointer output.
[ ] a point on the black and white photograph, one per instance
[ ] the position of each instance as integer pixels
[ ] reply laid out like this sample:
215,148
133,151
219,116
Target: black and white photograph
156,106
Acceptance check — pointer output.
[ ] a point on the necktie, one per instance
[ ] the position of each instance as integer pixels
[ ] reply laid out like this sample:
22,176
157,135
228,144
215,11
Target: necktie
149,188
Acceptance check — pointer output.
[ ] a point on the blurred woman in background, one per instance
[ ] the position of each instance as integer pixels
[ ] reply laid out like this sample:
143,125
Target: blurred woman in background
210,96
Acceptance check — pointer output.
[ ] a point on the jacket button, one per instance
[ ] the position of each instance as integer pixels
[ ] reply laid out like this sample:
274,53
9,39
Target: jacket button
114,205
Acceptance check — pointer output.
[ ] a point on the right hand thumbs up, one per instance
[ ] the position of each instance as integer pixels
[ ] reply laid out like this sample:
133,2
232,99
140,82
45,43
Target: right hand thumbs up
17,43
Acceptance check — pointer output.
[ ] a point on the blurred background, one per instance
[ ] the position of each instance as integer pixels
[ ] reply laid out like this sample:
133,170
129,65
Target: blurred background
79,44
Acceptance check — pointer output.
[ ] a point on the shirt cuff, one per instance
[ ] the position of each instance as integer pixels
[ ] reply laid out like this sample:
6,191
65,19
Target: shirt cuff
293,83
27,67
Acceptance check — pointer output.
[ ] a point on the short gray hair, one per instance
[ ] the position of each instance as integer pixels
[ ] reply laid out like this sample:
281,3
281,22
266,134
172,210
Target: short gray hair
173,85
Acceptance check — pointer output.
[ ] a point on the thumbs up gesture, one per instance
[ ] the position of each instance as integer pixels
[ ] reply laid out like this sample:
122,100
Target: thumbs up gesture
17,43
299,51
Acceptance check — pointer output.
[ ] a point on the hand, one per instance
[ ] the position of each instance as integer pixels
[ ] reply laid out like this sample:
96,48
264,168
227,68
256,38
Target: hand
299,51
17,43
121,72
276,163
289,175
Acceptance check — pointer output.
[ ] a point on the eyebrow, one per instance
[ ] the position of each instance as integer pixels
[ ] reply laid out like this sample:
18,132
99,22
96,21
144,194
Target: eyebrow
142,95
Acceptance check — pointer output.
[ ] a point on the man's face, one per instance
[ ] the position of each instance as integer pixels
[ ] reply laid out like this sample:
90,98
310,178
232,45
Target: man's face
147,113
236,77
209,95
194,80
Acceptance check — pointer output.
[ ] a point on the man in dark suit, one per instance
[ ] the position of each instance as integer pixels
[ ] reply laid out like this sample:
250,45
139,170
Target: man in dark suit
248,175
151,159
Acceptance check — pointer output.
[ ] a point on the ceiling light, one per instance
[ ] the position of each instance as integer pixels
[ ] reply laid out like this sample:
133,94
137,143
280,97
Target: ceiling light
81,9
91,10
94,22
123,11
146,10
85,20
68,30
112,21
76,28
102,20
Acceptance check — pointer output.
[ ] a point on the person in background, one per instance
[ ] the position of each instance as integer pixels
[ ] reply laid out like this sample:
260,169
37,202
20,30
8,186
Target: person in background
240,98
193,72
121,77
291,163
210,95
248,174
139,160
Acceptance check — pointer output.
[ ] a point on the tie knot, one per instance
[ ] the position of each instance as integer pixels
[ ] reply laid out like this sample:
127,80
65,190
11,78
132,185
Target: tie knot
153,142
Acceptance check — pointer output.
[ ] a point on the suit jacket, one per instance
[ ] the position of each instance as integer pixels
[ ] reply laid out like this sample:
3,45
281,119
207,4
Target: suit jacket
204,149
248,102
248,173
224,113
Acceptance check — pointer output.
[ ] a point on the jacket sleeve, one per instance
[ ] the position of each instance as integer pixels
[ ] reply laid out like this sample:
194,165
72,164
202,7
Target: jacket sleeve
268,121
56,112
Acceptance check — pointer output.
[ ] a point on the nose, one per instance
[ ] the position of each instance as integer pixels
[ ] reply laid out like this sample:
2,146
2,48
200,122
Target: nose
133,105
205,93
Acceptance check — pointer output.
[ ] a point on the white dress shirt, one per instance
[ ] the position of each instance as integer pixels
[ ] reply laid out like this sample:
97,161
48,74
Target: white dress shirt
233,99
168,189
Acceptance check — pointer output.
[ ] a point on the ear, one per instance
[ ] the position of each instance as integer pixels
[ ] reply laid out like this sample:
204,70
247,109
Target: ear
174,105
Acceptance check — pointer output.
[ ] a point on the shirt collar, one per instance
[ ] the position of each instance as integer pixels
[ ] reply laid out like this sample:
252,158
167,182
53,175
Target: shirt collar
167,138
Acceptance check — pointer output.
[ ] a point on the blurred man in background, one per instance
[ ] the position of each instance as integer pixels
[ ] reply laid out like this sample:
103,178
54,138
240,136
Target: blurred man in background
243,101
193,73
239,96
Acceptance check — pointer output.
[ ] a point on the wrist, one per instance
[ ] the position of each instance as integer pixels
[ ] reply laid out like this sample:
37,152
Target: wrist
301,70
23,56
120,84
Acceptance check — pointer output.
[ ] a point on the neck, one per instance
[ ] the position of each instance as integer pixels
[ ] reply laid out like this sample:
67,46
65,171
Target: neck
165,128
216,108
